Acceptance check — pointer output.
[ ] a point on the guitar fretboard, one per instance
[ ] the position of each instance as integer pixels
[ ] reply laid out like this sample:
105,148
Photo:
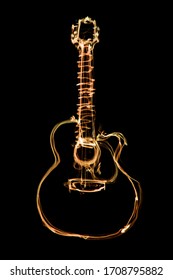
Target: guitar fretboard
85,107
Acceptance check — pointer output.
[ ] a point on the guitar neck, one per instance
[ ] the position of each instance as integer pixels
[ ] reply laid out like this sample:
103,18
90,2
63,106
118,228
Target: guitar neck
85,106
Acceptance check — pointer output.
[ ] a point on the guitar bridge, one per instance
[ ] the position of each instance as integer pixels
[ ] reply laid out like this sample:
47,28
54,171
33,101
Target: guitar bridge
85,185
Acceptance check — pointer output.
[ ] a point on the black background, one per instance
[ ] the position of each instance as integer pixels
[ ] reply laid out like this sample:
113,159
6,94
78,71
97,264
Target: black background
131,97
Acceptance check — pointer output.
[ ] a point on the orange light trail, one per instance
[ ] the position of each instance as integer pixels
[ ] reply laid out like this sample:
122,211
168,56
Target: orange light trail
87,148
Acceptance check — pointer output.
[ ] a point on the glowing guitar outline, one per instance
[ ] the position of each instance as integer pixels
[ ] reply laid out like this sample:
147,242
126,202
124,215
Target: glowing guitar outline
86,139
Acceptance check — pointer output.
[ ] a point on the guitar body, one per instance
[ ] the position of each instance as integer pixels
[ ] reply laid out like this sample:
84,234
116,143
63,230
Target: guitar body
86,193
103,208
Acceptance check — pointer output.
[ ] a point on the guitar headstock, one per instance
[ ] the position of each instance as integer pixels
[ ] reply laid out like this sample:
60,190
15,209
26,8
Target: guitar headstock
86,32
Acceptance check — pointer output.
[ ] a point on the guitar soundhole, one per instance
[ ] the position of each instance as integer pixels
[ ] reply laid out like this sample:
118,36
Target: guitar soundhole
85,154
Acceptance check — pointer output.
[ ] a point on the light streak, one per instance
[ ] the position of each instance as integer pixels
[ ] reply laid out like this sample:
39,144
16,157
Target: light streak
87,149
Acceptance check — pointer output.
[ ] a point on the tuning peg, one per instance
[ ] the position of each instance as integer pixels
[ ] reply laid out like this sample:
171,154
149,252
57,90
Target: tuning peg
73,27
87,19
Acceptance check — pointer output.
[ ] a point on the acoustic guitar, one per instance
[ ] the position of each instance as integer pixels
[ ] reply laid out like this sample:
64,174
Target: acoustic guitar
86,193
